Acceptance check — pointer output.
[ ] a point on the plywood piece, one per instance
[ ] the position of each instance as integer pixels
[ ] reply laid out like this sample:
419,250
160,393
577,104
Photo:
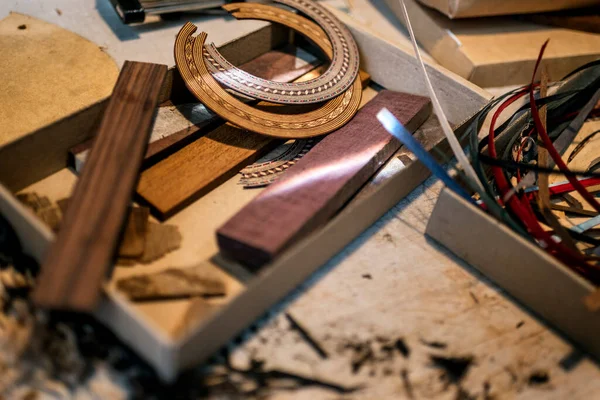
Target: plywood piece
587,19
319,184
74,269
485,8
48,73
498,52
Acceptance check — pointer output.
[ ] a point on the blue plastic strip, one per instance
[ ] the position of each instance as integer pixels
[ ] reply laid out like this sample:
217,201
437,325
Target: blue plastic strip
587,225
395,128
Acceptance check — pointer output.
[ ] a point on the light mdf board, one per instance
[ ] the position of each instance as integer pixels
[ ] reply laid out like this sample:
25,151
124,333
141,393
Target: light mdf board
526,272
484,8
48,73
154,329
501,51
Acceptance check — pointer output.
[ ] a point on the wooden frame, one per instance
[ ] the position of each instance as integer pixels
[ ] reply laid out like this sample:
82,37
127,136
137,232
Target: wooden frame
141,326
526,272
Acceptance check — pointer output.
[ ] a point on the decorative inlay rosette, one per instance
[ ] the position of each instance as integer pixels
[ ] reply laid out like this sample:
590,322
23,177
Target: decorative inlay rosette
330,116
340,75
270,167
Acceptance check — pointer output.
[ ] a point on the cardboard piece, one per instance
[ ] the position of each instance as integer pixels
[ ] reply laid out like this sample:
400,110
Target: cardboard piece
47,74
500,51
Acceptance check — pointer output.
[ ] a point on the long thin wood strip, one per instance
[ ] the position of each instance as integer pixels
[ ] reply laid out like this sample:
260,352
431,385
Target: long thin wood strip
543,184
206,163
176,125
77,262
314,189
543,197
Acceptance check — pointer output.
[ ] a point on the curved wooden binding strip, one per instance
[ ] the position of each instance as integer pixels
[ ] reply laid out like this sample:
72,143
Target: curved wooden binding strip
329,117
339,77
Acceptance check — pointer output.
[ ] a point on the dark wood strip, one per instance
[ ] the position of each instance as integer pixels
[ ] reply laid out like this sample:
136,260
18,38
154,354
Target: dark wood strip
77,262
314,189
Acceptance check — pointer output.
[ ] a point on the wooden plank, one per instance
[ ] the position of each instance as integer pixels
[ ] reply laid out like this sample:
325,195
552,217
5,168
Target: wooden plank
198,168
76,264
316,187
180,179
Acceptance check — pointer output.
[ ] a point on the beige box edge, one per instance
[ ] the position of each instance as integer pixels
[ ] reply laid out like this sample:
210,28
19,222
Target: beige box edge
530,275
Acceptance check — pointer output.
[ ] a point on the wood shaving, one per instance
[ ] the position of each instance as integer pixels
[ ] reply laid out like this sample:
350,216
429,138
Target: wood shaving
50,214
160,240
142,241
134,237
172,283
13,279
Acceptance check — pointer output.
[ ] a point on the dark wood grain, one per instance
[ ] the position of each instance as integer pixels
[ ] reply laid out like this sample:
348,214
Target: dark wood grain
77,263
314,189
278,65
175,182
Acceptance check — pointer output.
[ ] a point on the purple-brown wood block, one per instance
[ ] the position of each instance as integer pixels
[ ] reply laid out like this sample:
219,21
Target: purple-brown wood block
314,189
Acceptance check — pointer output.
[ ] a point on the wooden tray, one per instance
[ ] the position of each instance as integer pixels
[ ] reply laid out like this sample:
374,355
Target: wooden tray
526,272
149,328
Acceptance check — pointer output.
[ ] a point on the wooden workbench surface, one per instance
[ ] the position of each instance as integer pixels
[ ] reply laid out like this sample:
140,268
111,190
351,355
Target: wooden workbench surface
396,315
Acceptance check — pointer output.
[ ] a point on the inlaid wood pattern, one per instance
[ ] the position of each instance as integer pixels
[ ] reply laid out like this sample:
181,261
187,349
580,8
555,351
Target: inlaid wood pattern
339,76
314,189
77,263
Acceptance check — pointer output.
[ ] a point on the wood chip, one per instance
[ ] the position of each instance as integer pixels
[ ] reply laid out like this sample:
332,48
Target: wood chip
172,284
43,208
134,237
160,240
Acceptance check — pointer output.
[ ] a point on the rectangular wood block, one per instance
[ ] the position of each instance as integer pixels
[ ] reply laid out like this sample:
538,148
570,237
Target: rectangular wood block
318,185
77,262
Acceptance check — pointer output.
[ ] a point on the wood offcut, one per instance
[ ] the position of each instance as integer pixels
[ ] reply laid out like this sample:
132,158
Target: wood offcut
76,264
315,188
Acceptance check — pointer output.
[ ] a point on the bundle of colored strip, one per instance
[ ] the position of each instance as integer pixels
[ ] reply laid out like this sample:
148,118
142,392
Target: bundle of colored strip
536,171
